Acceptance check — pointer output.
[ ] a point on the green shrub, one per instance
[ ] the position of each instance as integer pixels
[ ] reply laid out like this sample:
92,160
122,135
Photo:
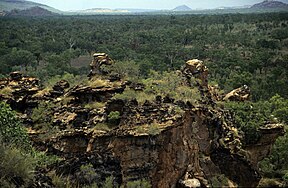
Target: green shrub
114,117
16,166
125,69
109,182
139,184
219,181
154,129
102,127
11,130
70,78
43,159
42,116
140,96
87,174
248,118
60,181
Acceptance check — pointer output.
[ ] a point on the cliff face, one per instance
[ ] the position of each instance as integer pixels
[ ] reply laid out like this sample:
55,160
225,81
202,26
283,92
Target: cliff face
166,142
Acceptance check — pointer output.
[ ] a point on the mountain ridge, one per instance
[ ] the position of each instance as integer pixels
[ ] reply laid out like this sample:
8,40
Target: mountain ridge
33,11
9,5
182,8
267,4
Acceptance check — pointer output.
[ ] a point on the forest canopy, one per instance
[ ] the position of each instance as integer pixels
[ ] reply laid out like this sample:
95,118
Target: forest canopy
239,49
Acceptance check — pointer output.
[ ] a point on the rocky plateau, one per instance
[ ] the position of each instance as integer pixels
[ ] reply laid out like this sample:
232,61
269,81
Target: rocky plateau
168,143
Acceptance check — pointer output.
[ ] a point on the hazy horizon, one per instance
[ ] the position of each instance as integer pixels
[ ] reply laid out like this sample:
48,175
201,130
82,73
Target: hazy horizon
66,5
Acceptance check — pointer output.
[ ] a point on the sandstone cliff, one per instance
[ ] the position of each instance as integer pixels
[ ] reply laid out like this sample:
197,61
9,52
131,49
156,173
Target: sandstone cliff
169,143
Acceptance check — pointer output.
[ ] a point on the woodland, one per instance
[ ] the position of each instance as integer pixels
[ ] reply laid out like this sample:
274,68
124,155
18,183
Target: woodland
238,49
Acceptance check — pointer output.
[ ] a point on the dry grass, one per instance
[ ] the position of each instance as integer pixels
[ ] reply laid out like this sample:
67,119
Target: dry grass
95,105
42,92
6,91
102,127
97,82
130,94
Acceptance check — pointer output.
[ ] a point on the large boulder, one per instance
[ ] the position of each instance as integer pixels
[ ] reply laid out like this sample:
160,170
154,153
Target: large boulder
239,94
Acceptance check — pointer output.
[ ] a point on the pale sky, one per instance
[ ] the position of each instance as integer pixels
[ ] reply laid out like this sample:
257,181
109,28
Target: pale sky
65,5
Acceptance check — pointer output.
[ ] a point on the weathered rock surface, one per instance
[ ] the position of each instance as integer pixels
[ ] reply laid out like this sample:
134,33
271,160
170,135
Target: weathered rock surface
169,143
17,90
239,94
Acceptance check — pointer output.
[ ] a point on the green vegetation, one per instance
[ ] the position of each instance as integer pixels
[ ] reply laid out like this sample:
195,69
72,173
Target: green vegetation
219,181
238,49
16,161
102,127
169,84
11,130
250,116
70,78
95,105
42,116
114,117
139,184
17,157
16,166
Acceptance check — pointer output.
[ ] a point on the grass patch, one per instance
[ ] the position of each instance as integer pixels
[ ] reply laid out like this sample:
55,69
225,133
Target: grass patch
6,91
154,129
97,82
95,105
42,92
130,94
16,167
102,127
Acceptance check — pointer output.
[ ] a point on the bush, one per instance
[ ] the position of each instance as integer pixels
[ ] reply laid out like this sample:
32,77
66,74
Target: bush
102,127
87,174
109,182
43,159
16,162
114,117
126,69
42,116
163,84
16,166
139,184
11,130
154,129
130,94
248,118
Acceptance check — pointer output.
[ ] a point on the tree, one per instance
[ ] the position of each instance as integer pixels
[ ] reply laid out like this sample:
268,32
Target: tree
22,58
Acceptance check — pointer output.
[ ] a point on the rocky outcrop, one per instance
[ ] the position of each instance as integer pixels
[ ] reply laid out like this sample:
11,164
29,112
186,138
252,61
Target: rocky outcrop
239,94
99,59
17,90
166,142
262,148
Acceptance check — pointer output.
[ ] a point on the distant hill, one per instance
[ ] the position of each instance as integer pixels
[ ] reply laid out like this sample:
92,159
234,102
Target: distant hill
270,4
33,11
98,11
9,5
182,8
108,11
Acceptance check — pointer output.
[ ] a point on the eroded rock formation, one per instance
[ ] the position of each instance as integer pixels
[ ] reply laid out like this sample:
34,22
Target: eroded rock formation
239,94
99,59
169,143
